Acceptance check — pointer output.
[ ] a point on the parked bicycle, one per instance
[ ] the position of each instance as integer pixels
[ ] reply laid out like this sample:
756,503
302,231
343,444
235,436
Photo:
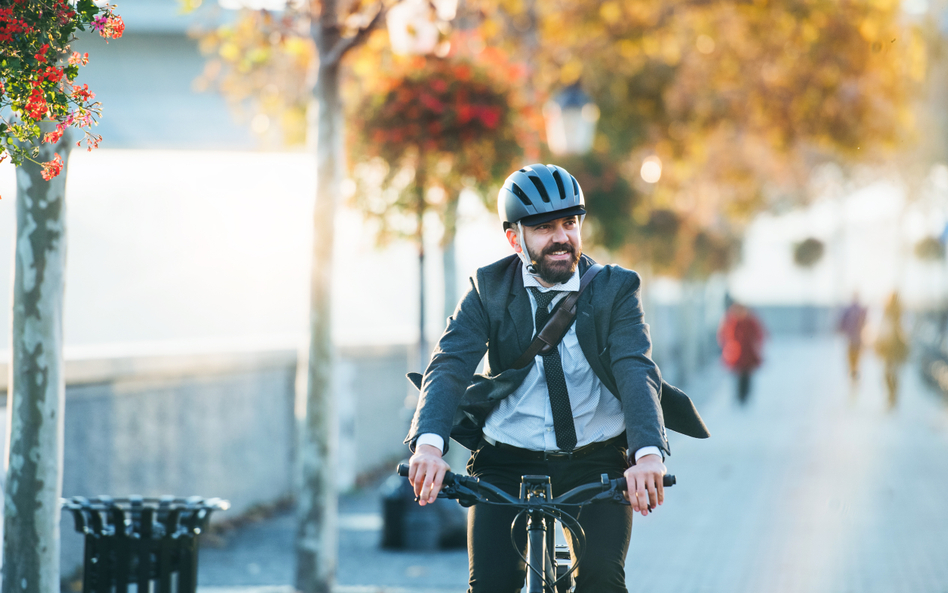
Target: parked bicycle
549,567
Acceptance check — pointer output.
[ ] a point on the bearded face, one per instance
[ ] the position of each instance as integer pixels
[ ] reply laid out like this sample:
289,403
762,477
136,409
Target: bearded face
554,249
557,263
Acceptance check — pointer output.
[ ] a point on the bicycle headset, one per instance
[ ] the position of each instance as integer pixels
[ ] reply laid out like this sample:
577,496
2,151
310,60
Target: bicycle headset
536,194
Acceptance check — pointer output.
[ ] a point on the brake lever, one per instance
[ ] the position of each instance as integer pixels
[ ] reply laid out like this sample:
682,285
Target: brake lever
464,495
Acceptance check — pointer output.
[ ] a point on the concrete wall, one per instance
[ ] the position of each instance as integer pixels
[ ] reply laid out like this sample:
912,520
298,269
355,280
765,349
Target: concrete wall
215,424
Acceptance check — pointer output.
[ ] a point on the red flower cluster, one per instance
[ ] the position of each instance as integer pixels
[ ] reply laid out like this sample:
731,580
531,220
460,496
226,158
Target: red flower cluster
78,60
64,12
36,106
52,74
438,105
40,56
10,25
81,93
52,168
109,26
37,77
54,137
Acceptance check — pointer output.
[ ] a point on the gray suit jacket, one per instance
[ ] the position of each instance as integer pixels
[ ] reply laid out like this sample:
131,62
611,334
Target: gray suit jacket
495,317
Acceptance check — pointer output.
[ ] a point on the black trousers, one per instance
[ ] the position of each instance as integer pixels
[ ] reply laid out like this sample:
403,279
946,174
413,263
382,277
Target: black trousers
495,566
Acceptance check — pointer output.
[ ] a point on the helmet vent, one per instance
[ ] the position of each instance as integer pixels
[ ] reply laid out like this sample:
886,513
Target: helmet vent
540,189
559,184
520,194
575,186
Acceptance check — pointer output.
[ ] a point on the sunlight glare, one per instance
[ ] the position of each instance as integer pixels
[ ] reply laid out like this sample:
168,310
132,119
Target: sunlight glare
651,169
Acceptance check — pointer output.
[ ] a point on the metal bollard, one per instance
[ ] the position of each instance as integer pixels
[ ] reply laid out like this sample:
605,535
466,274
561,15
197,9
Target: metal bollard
147,542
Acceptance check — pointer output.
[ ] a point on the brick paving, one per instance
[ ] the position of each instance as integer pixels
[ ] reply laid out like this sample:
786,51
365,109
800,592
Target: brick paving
810,488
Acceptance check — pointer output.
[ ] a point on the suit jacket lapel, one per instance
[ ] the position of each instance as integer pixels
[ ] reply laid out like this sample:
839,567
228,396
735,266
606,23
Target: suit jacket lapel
586,330
520,313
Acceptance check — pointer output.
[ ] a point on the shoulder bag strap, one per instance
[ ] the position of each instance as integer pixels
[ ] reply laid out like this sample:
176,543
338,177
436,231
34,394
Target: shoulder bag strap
560,320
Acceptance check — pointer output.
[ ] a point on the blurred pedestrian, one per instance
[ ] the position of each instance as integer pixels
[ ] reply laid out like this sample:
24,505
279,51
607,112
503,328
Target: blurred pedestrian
851,324
741,337
892,346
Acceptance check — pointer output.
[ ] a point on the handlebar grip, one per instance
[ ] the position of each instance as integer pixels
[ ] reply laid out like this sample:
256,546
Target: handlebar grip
402,470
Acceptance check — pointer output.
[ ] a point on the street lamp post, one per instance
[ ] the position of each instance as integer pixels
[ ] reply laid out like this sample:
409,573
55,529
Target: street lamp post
571,118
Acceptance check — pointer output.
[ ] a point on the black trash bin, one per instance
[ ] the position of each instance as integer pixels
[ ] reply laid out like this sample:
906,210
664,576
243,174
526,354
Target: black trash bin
408,526
147,542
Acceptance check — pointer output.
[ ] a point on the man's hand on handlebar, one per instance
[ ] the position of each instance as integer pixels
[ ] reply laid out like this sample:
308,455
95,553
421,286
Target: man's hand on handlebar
426,473
644,480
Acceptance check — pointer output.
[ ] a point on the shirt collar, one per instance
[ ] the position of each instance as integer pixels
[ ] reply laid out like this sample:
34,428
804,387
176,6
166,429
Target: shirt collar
570,285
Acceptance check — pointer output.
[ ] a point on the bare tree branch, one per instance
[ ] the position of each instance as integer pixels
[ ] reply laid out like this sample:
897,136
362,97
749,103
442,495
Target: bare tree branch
346,43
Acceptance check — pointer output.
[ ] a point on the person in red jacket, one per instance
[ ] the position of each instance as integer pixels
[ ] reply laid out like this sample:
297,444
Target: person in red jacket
741,337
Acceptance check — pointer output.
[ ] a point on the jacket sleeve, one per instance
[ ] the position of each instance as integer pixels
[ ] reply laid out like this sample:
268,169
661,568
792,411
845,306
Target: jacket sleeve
453,363
637,376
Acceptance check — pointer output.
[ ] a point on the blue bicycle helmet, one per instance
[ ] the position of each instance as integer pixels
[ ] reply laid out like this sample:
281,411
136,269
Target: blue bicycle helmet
539,193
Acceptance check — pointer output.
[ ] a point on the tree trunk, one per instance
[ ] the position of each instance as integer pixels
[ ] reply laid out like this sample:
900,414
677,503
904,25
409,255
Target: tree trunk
316,547
37,387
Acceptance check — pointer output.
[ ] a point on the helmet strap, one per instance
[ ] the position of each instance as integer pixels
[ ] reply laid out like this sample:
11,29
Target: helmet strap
524,256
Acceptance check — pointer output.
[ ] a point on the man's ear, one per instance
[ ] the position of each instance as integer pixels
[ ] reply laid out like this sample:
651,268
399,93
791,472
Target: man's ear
514,240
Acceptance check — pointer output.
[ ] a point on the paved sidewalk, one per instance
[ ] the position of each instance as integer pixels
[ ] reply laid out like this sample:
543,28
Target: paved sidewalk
811,488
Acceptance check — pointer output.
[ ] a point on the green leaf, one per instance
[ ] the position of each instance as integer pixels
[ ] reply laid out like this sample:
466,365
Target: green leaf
87,9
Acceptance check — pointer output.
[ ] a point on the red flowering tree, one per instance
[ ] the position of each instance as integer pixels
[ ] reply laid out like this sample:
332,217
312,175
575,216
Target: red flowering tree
436,126
37,74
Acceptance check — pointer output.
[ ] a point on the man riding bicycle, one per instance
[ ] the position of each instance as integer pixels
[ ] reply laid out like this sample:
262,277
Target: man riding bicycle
594,404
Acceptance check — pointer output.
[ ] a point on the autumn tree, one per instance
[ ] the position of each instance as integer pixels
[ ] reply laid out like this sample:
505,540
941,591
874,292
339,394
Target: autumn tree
737,100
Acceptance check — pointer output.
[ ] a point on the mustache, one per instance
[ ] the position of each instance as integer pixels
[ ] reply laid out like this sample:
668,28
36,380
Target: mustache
567,247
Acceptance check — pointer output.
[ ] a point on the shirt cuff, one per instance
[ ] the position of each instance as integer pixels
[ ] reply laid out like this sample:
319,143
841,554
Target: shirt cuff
638,454
430,438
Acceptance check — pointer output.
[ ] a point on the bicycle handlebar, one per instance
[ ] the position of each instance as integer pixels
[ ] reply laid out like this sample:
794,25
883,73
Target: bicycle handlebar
468,489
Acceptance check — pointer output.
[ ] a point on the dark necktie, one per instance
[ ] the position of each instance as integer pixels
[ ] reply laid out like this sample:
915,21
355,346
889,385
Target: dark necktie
555,381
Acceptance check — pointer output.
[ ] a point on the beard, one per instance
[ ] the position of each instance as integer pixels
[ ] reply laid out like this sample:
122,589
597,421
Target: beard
556,272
